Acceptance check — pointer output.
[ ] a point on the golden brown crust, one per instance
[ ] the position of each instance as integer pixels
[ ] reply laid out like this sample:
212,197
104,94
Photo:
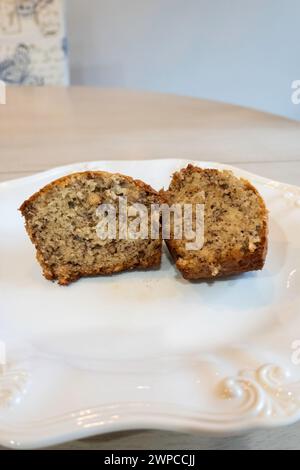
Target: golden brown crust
236,262
65,276
65,180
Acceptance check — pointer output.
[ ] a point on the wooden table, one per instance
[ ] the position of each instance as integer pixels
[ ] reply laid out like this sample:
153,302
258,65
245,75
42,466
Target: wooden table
45,127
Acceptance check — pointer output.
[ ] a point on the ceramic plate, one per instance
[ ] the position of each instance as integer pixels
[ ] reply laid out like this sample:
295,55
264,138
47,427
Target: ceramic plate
147,349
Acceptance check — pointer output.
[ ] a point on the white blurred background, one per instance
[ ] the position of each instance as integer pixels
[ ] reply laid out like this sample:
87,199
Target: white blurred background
245,52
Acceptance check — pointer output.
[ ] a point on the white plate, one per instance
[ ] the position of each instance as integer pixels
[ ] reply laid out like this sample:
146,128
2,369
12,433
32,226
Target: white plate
147,349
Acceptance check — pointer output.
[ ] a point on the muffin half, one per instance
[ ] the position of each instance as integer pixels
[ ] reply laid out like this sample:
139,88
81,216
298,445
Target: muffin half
235,224
63,221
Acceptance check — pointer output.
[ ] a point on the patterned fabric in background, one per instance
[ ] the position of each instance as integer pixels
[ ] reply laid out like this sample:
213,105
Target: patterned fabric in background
33,46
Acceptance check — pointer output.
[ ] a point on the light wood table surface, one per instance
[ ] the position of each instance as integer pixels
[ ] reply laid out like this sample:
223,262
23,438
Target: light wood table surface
42,128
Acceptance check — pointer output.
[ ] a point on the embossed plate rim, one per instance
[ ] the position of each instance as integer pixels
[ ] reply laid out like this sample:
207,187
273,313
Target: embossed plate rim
270,387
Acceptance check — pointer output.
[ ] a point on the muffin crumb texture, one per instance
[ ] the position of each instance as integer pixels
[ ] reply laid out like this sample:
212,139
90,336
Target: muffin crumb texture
235,224
61,220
